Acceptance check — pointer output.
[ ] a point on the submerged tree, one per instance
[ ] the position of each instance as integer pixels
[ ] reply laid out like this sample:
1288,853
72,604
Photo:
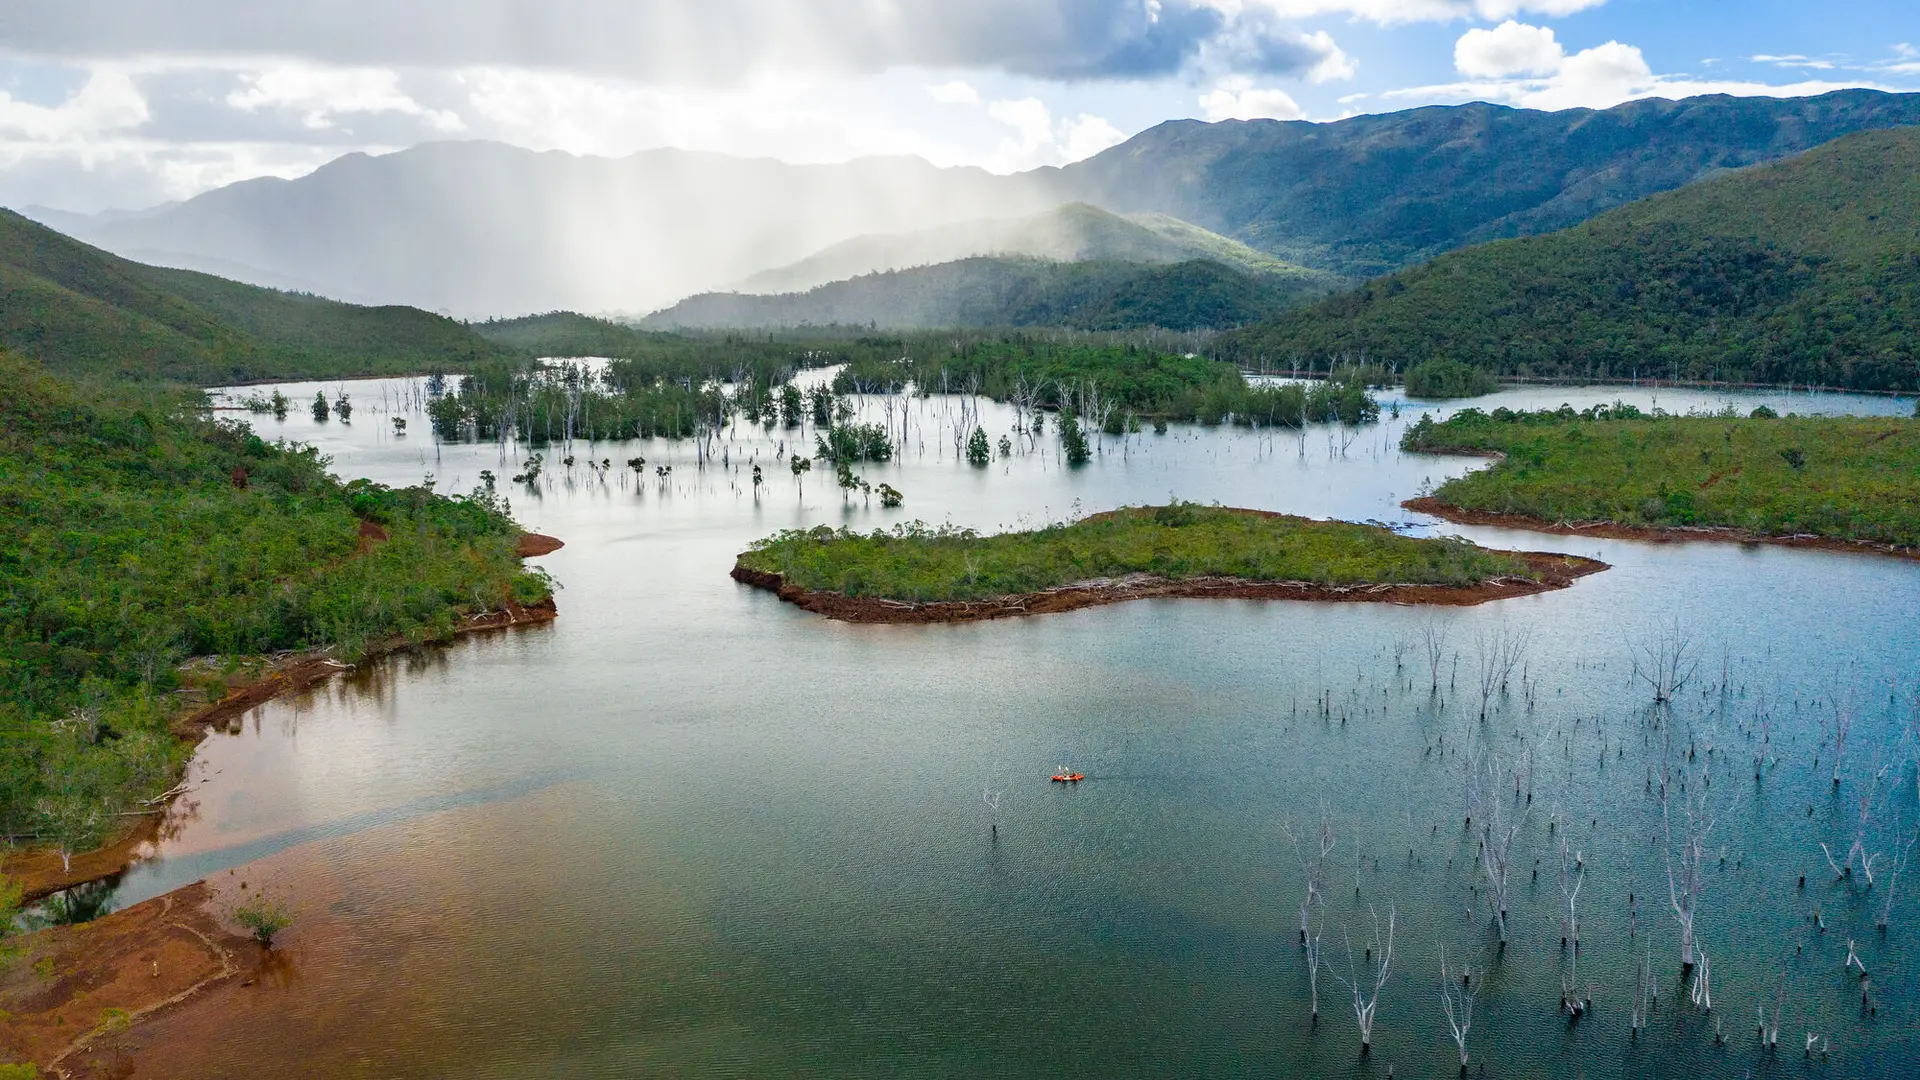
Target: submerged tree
1499,653
800,467
979,450
1666,659
320,407
1456,1000
1314,865
1685,883
1365,982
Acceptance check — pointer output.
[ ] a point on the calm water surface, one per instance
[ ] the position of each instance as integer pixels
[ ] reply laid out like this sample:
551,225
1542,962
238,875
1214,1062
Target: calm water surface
689,829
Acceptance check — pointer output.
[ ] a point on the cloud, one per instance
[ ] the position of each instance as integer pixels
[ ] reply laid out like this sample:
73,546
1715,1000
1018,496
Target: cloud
954,93
1794,60
107,102
1526,67
1509,49
1236,98
321,95
1038,140
706,43
1396,12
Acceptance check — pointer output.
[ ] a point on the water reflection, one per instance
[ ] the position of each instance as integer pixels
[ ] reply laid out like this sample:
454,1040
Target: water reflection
687,828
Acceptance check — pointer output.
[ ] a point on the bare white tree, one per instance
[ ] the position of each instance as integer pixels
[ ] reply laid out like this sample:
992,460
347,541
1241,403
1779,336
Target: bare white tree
1844,699
1770,1024
1498,831
1666,659
1365,986
1456,1000
1313,860
1896,866
1573,875
1644,993
1499,653
1857,853
1702,989
1433,635
1685,884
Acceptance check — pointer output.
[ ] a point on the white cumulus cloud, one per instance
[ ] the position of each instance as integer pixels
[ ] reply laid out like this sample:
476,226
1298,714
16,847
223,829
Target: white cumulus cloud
956,92
1237,98
1512,48
320,95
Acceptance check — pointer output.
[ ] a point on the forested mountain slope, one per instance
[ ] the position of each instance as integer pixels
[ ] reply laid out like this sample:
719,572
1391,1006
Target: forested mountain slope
1803,271
81,311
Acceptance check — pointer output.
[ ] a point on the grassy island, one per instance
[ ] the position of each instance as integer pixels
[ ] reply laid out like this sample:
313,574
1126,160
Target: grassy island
1831,479
137,533
916,573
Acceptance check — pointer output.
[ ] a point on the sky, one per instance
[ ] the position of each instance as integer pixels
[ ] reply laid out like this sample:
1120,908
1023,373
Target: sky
130,103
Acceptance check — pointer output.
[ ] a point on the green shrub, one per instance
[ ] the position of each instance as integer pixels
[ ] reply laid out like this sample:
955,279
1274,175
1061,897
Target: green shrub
1439,380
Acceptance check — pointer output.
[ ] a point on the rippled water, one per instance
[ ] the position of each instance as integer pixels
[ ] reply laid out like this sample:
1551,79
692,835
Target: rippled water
688,829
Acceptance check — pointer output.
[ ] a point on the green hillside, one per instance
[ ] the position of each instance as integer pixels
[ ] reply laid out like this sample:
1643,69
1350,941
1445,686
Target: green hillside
1803,271
987,292
137,533
1075,232
83,312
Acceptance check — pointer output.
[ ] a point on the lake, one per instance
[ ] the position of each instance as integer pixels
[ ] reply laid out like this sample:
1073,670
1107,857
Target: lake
687,829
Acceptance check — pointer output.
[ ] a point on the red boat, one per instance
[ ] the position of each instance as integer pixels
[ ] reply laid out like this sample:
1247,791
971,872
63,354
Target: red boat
1067,777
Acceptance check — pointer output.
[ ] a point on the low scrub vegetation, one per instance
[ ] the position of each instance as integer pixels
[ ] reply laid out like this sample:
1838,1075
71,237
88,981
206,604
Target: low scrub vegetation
1844,478
137,533
917,563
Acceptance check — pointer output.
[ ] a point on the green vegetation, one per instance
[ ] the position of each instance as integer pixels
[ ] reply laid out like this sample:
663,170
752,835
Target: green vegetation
1103,383
85,313
1839,477
1075,232
135,533
1807,271
919,564
264,918
1001,291
1440,380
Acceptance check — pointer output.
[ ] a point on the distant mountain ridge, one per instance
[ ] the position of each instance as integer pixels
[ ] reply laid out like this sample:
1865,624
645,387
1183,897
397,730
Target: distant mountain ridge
991,292
1802,271
480,228
81,311
1075,232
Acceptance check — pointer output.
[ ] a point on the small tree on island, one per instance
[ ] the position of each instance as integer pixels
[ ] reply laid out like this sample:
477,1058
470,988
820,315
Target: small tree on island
1072,441
979,450
264,918
800,466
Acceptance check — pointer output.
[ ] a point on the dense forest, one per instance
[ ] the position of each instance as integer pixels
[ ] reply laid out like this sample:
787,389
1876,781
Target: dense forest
83,312
1807,271
1846,478
1198,294
138,533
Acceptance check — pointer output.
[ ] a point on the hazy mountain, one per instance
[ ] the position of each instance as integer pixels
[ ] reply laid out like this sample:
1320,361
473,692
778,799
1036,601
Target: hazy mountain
478,228
1011,291
1072,233
1375,193
1807,270
81,311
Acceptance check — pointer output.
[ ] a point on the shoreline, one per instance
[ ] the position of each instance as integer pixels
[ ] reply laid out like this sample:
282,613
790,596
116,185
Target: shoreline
1557,571
40,872
1659,534
113,972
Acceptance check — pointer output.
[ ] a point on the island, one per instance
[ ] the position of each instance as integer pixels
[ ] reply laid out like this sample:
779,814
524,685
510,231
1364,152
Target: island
917,574
1840,482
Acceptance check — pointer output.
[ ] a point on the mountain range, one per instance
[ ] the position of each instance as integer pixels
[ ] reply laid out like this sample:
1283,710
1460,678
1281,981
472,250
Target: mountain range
1803,271
1074,232
82,312
984,292
479,228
